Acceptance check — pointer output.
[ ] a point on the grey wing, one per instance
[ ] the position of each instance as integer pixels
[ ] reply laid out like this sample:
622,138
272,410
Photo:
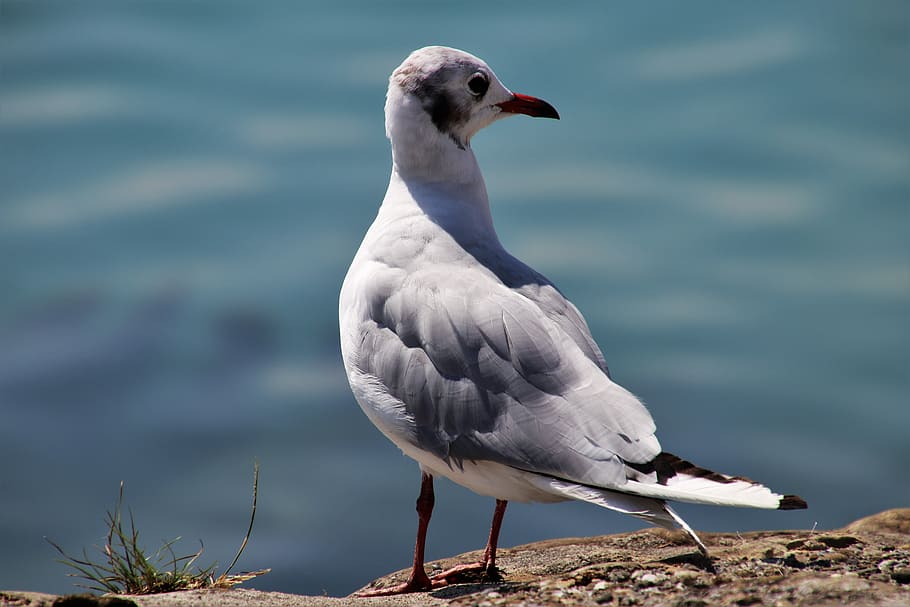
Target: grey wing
527,281
486,374
566,316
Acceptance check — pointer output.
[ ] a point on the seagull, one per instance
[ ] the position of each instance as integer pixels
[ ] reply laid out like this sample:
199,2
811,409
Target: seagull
474,364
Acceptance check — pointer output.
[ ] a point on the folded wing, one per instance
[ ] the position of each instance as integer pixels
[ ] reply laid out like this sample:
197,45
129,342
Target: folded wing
486,373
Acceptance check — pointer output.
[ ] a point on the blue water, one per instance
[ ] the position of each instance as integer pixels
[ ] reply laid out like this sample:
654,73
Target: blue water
183,184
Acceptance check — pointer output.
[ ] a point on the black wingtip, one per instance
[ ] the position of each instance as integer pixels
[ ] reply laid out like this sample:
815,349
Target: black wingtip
792,502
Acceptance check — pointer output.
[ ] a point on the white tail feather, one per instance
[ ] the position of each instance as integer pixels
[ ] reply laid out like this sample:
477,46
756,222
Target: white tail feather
697,490
669,477
654,511
645,508
685,527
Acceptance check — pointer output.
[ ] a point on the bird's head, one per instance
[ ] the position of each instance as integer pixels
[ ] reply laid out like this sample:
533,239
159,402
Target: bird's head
447,94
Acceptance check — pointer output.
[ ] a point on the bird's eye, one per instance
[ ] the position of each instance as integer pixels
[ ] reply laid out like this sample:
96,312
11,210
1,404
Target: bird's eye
478,84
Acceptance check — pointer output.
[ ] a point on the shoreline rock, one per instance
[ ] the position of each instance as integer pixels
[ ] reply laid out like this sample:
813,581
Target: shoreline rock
866,563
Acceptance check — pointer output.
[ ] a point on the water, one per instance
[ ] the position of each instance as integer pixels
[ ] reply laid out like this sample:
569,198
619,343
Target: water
184,185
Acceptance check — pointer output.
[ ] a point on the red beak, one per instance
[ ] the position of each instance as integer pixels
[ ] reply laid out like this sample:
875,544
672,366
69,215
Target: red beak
530,106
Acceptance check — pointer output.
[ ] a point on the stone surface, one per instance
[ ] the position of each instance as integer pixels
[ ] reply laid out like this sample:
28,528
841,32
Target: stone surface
867,563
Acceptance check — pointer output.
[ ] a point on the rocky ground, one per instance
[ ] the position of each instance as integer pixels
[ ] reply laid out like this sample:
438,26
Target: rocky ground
865,563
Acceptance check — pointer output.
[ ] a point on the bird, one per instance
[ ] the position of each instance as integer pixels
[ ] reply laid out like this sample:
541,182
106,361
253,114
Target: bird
476,365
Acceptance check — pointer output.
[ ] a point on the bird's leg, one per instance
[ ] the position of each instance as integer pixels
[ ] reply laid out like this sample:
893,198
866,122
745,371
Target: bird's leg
425,502
486,567
418,580
489,553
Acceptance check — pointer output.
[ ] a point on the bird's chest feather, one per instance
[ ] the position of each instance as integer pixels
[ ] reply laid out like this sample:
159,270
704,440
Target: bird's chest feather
416,244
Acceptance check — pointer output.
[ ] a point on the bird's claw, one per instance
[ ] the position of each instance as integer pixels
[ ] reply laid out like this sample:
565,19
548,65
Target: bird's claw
459,574
468,572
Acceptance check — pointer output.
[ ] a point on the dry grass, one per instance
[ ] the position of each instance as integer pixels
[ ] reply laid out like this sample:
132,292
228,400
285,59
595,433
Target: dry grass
127,568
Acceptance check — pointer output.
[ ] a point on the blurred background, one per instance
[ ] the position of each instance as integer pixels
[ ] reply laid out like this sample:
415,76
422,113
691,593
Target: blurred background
183,185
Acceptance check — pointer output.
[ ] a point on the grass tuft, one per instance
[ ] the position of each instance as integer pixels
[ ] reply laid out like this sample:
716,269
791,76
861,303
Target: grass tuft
126,568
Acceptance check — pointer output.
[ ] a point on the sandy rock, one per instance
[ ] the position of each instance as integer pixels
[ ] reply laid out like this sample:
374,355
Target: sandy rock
867,563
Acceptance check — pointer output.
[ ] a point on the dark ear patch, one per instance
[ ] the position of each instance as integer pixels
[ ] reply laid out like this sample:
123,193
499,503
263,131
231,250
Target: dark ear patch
443,111
445,108
439,107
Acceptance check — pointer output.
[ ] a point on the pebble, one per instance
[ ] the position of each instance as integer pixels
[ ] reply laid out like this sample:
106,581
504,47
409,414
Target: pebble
648,579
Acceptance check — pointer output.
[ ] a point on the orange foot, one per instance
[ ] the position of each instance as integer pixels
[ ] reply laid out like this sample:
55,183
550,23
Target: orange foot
459,574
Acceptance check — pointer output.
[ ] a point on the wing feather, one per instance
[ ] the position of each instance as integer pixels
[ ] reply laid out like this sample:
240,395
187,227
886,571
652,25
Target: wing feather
486,373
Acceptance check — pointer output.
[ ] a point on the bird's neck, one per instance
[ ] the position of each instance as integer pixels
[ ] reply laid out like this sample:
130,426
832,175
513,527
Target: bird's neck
420,151
435,175
425,154
461,208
